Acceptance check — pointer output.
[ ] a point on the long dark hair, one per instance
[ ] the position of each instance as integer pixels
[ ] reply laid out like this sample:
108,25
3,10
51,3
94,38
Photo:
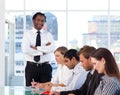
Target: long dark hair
72,53
111,65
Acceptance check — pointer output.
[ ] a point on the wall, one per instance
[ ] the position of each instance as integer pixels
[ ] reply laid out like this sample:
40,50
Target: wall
2,37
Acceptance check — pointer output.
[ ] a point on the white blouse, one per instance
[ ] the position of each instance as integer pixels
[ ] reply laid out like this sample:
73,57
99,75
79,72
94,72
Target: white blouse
62,75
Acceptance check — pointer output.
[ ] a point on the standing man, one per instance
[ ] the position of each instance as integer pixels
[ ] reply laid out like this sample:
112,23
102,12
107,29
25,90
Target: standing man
37,47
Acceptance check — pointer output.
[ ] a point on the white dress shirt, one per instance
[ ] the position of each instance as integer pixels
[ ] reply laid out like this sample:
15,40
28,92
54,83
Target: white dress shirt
77,80
29,39
62,75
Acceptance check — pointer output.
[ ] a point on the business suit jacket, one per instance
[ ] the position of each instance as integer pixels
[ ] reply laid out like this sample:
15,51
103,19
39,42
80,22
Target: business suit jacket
89,86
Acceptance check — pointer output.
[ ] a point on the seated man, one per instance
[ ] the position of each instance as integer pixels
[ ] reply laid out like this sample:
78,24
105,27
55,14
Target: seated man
72,62
79,73
90,84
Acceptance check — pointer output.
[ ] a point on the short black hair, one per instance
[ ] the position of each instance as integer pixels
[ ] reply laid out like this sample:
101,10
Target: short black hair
38,13
72,53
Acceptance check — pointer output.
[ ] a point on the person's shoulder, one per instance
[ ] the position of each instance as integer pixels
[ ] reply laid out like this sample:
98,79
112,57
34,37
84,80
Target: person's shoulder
79,66
79,69
66,69
29,34
110,80
45,32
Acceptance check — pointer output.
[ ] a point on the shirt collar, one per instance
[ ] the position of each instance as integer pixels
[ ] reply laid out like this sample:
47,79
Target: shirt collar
35,30
92,71
76,69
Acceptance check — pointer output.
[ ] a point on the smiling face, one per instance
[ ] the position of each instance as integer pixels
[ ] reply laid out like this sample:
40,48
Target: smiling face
38,22
99,65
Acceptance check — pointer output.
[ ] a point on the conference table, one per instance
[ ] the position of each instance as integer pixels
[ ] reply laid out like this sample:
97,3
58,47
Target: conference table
19,90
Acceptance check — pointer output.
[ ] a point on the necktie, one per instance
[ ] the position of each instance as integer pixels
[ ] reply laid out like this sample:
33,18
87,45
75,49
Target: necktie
89,82
89,76
38,43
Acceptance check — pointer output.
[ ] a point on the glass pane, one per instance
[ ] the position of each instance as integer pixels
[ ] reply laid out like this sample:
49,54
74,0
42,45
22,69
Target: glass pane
115,30
115,35
115,4
117,57
45,4
14,4
88,4
87,28
13,41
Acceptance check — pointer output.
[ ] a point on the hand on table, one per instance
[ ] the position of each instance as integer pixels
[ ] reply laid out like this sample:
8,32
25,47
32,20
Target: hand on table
54,93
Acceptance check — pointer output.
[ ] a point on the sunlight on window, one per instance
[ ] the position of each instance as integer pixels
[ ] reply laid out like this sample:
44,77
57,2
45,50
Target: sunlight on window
73,23
88,4
14,4
45,4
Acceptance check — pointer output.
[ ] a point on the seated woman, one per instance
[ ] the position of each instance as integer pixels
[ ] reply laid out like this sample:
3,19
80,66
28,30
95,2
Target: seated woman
62,76
104,63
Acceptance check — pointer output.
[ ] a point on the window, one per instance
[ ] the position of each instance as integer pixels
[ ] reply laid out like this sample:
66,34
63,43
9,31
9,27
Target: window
73,23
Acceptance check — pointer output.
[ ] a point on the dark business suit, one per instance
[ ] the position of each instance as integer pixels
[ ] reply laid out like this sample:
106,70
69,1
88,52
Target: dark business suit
88,87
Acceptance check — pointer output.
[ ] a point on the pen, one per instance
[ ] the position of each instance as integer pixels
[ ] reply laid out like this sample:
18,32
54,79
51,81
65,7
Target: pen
33,80
33,83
